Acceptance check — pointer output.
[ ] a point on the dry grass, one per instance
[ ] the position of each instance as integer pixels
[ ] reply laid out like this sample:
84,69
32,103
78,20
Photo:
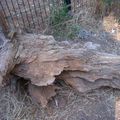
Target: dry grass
71,105
112,26
15,107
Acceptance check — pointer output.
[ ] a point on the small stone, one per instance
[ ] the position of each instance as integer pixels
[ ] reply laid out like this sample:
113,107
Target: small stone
84,34
113,31
90,45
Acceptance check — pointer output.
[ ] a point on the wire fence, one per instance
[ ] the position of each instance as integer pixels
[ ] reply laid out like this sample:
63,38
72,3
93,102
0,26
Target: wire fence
34,14
31,14
26,14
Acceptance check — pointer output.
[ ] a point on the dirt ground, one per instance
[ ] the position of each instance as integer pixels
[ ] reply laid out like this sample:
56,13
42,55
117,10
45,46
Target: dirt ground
100,104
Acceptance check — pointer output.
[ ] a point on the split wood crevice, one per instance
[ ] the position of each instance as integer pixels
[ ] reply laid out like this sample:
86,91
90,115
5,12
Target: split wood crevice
41,60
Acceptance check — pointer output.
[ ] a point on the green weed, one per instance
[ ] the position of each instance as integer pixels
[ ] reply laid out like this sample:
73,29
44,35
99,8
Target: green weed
58,15
61,24
107,2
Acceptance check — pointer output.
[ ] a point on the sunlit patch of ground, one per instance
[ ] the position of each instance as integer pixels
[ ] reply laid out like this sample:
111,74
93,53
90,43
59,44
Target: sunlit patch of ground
112,26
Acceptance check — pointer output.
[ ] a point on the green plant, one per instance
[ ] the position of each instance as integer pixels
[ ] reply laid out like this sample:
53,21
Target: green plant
103,8
58,15
66,31
73,30
61,24
107,2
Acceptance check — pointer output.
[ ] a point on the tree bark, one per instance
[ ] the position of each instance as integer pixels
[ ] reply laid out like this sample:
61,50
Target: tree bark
44,60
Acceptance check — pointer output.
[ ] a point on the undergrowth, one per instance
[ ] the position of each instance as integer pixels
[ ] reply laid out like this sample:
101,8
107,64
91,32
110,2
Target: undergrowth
107,7
107,2
114,7
58,15
61,23
64,26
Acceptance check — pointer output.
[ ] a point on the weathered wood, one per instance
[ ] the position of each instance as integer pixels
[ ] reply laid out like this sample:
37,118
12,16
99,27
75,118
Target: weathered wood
8,52
3,23
44,60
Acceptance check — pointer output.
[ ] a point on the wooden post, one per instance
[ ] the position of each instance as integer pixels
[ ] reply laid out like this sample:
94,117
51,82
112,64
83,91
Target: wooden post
3,23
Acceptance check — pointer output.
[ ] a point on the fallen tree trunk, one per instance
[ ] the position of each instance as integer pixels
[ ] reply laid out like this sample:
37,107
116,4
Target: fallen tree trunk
43,60
8,58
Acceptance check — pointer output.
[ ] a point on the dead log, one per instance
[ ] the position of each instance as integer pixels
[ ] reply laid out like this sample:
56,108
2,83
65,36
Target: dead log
42,60
8,58
3,22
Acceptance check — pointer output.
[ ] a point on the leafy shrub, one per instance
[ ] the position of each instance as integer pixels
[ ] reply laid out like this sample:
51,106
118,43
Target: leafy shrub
61,24
73,30
107,2
58,15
